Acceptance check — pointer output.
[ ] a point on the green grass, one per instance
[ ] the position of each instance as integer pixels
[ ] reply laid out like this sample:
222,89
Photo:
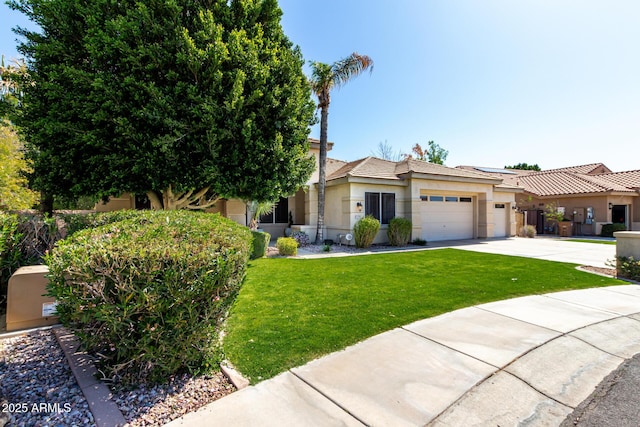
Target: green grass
602,242
291,311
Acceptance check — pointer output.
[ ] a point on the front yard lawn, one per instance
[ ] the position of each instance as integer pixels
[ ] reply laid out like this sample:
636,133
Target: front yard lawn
291,311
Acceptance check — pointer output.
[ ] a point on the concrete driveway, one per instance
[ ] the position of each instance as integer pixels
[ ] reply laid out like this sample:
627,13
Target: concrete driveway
550,249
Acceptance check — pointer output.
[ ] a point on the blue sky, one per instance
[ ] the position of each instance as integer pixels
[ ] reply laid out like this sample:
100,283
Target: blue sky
494,82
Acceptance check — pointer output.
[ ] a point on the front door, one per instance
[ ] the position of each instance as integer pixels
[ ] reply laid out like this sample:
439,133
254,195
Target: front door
619,214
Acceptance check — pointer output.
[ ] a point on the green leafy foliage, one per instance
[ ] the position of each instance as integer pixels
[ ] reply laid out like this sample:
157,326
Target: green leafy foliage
628,267
287,246
14,190
365,231
10,238
205,99
609,229
399,231
260,243
525,166
147,294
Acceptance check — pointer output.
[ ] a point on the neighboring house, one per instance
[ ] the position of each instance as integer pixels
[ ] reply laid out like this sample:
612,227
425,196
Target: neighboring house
443,203
590,195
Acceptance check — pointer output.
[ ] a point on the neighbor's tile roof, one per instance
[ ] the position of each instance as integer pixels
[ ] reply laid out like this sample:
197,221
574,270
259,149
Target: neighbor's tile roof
564,183
629,179
590,169
584,179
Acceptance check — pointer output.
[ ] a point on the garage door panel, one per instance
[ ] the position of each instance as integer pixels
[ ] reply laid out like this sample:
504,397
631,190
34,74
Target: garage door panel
446,220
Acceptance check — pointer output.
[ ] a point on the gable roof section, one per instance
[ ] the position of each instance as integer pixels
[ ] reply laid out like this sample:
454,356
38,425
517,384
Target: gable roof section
628,179
566,183
373,167
419,167
369,167
590,169
593,178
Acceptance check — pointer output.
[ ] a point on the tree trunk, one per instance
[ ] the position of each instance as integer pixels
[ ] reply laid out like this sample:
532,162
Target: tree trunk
322,179
46,203
168,200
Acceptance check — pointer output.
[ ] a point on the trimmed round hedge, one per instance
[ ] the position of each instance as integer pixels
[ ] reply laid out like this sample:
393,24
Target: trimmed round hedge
147,295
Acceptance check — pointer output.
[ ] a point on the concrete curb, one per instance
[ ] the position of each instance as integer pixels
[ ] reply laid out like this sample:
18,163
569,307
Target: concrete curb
105,411
236,378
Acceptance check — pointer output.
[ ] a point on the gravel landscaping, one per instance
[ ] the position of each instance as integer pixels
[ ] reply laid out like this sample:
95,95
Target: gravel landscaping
38,388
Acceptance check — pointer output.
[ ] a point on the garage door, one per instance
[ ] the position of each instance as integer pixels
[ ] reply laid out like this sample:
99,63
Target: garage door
446,218
500,220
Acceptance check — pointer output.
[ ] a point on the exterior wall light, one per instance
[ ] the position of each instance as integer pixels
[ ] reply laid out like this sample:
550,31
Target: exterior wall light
610,205
359,206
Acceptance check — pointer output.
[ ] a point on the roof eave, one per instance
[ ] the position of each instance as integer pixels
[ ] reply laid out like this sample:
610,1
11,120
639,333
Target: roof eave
436,177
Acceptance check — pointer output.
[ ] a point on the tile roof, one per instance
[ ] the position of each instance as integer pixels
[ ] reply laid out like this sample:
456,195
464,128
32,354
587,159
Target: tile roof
629,179
590,169
583,179
373,167
369,167
565,183
417,166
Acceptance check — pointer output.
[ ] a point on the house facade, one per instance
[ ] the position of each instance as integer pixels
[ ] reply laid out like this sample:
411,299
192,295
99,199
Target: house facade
442,203
589,195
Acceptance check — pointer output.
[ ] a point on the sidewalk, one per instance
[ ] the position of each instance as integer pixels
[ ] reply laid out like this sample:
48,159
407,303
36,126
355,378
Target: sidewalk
530,359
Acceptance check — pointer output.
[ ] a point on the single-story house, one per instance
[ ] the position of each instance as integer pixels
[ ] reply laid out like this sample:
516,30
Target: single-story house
443,203
589,195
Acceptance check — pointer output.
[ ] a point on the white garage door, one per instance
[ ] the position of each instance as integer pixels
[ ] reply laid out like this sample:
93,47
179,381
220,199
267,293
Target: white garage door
446,218
500,220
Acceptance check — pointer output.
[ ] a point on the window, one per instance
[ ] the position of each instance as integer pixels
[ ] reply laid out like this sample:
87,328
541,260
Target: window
279,214
382,206
451,199
436,198
499,206
465,199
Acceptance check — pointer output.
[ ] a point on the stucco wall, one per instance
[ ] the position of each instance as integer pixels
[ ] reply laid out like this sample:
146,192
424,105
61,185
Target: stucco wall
579,204
125,201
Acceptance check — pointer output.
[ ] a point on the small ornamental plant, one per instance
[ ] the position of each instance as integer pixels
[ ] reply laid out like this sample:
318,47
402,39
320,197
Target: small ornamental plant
528,231
365,231
301,237
399,231
287,246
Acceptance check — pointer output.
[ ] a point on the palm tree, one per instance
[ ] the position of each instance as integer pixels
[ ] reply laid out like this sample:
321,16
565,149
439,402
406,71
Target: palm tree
325,77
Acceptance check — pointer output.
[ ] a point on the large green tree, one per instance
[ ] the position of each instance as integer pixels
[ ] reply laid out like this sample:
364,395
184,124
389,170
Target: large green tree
325,77
184,100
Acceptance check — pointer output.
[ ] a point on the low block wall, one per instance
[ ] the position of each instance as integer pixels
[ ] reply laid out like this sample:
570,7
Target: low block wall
628,244
27,307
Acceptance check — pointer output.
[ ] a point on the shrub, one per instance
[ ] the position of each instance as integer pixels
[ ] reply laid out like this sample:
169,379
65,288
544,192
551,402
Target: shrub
365,231
301,237
628,268
287,246
419,242
399,231
609,229
528,231
10,239
260,242
148,294
326,248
